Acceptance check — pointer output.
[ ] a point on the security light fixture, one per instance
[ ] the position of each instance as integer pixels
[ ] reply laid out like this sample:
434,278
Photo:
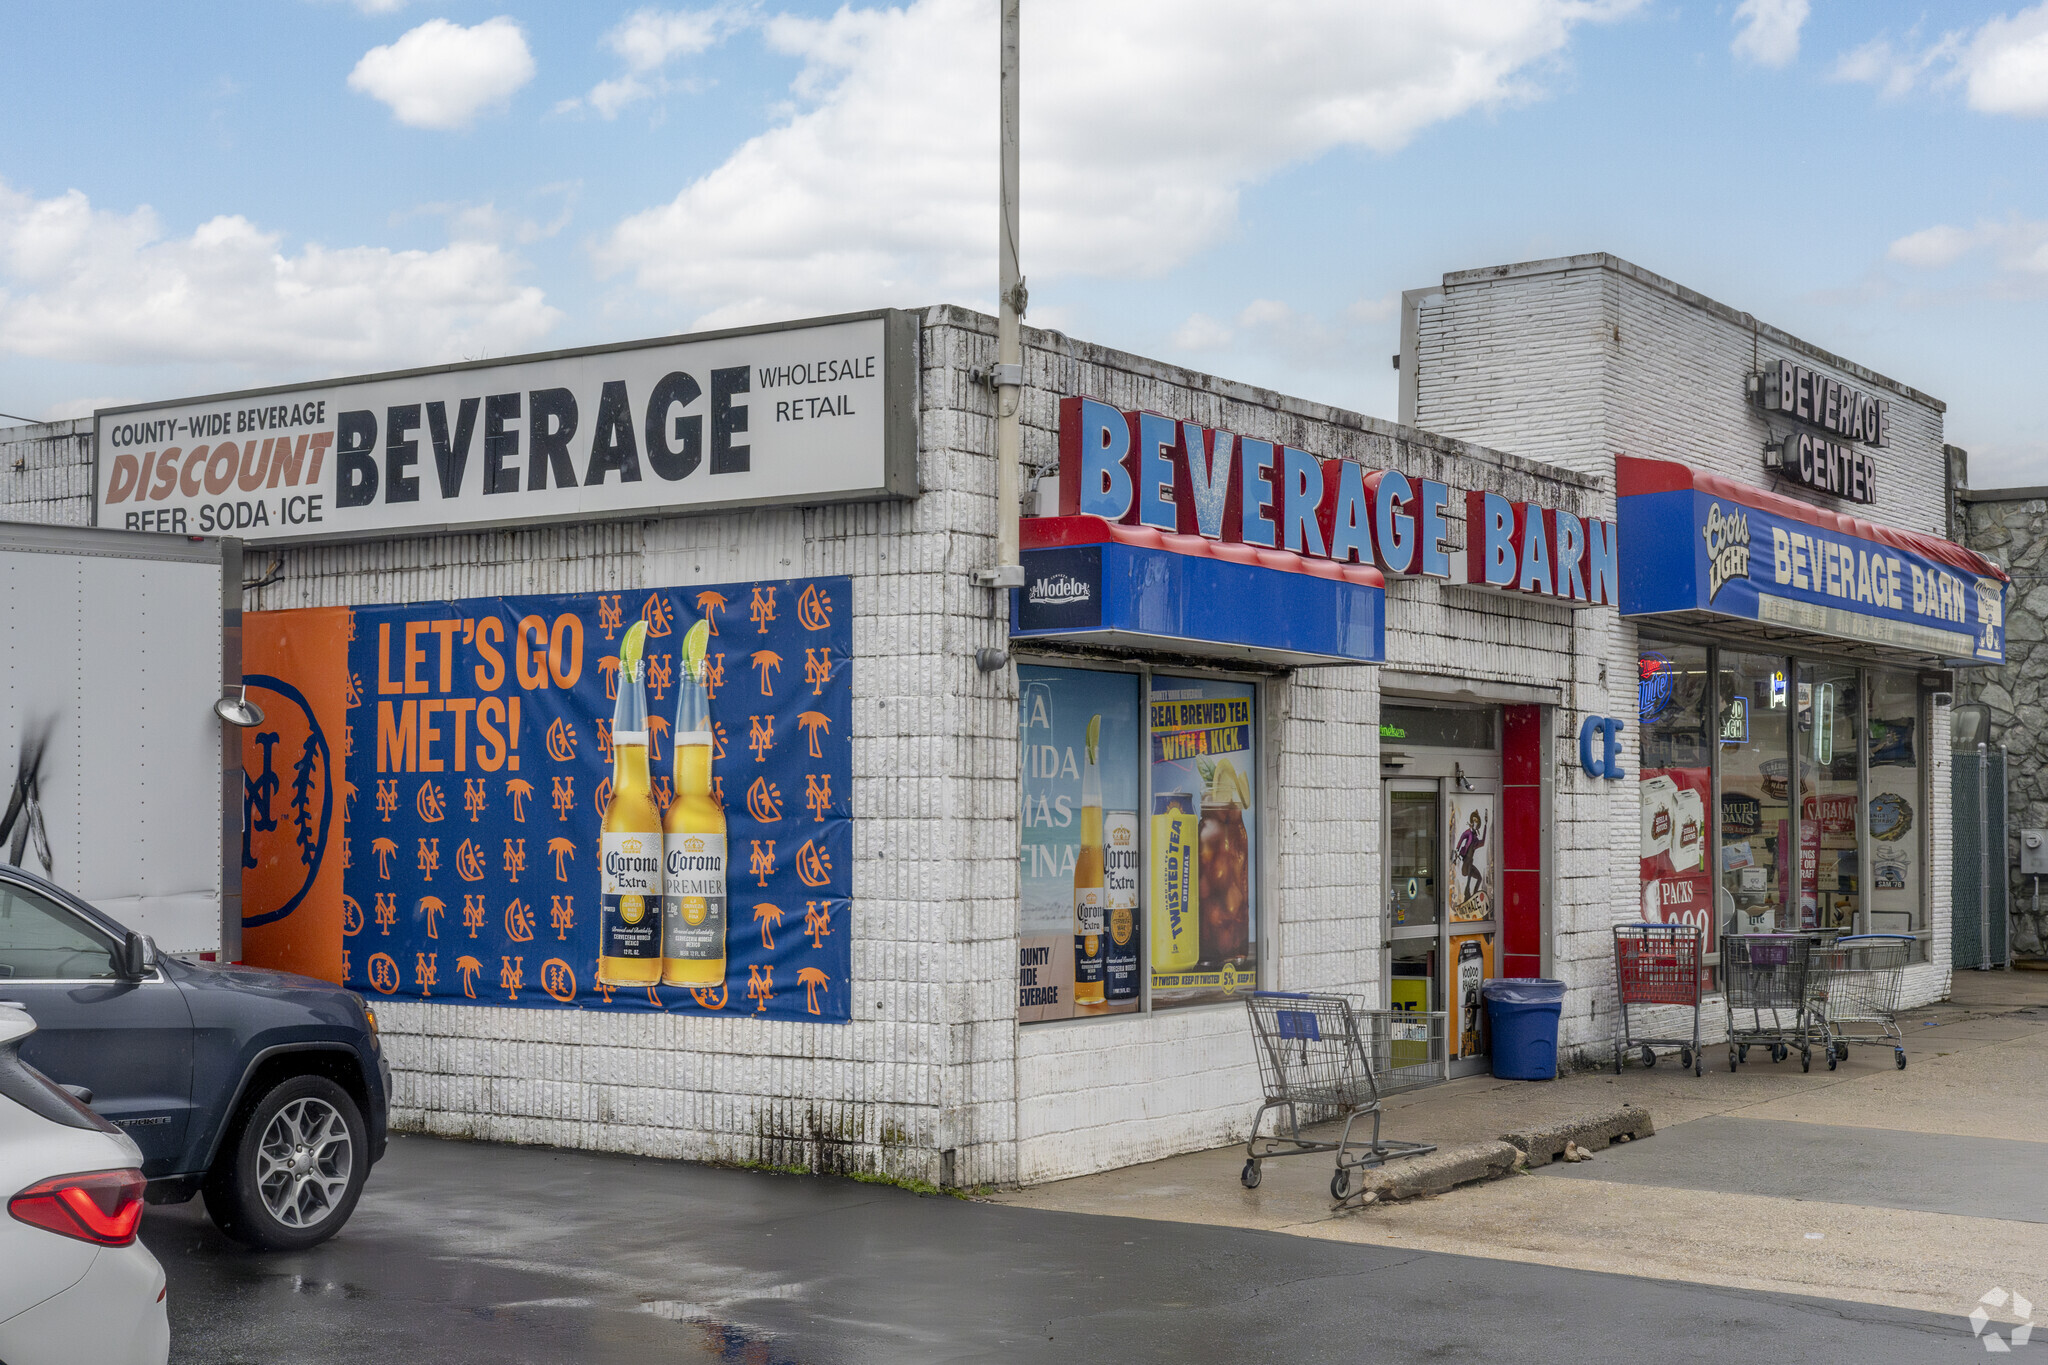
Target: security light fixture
238,709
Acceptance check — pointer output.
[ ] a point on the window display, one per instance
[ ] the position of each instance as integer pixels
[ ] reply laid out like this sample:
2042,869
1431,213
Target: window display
1894,816
1677,787
1756,801
1830,830
1079,871
1205,775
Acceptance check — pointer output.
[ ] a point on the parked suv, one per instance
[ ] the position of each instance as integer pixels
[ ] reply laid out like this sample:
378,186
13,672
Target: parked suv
266,1091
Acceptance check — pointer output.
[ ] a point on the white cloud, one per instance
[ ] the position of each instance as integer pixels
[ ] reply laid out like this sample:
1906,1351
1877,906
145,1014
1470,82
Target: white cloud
1144,123
1770,31
2005,67
442,75
85,284
648,40
1201,333
2002,67
2015,247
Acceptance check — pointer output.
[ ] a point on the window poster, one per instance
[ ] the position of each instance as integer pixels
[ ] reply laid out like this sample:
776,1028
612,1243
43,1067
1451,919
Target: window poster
1203,912
1079,949
1470,838
1471,968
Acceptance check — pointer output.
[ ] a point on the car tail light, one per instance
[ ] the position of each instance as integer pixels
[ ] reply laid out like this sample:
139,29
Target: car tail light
99,1206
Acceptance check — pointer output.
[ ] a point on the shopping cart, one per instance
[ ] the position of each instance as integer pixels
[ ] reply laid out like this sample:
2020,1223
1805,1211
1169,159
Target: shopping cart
1766,975
1317,1063
1856,983
1658,964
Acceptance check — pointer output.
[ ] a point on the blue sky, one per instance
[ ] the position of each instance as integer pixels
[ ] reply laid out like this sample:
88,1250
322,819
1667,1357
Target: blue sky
202,198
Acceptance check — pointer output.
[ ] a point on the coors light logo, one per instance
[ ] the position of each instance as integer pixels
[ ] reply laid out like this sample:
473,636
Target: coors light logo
1059,590
1727,537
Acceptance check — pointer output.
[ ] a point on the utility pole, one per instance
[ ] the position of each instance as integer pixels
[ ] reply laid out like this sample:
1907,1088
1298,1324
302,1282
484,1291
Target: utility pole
1008,374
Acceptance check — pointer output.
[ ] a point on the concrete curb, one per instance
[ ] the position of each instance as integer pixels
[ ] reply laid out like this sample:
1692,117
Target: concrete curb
1434,1172
1593,1132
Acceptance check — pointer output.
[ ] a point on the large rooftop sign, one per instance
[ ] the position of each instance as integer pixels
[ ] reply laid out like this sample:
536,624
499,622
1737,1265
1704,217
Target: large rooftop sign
800,413
1698,543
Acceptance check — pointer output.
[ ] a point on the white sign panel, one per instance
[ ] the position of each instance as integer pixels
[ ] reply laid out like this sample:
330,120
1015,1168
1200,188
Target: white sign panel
810,412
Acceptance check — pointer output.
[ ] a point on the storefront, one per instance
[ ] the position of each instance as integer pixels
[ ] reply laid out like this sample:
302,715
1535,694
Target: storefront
1292,698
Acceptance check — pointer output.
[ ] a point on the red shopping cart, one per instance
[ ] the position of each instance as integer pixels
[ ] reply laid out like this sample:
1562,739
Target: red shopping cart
1658,964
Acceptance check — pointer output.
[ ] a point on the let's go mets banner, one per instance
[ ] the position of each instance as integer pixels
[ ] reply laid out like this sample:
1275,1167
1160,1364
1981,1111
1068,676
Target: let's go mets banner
477,754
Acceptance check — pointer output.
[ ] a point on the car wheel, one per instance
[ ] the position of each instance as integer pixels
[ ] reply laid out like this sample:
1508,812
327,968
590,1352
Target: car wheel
296,1169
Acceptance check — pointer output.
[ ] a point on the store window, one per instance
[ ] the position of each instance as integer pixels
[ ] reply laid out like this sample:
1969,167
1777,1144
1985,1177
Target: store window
1754,706
1139,841
1830,823
1848,854
1676,851
1895,815
1204,781
1078,874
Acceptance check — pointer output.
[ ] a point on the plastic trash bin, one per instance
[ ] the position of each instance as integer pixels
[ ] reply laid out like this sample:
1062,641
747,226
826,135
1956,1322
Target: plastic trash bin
1524,1011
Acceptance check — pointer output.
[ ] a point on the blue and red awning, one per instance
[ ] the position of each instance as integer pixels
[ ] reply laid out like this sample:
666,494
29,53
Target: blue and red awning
1700,545
1097,582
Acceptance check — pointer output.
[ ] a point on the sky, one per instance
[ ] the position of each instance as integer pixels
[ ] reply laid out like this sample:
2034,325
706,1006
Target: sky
196,199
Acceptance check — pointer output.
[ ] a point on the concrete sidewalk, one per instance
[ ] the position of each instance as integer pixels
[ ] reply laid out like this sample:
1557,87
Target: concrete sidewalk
1978,1069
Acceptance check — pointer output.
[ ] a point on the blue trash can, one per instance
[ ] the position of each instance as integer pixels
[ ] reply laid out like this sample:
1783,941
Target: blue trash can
1524,1011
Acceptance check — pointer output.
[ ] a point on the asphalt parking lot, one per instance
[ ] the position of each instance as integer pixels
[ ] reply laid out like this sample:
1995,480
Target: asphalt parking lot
466,1253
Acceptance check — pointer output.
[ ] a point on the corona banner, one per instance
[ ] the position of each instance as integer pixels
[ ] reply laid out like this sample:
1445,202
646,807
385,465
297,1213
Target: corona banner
479,766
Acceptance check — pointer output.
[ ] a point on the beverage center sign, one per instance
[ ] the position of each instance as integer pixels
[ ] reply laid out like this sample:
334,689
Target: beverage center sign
1144,469
1834,409
808,412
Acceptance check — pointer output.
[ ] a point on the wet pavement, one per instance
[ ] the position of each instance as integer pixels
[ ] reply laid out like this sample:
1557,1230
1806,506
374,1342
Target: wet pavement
465,1253
1829,1163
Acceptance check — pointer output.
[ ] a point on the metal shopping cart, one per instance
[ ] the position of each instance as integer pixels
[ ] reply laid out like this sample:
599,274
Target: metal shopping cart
1658,964
1855,989
1320,1059
1766,975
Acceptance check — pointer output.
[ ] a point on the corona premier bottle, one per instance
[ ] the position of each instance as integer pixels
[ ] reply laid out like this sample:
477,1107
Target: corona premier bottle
1089,898
693,908
629,902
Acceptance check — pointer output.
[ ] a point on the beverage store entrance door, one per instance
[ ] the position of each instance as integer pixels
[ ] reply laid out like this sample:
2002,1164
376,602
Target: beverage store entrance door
1442,821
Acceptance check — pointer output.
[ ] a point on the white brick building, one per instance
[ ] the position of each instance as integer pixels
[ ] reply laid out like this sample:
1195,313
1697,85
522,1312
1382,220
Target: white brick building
1474,712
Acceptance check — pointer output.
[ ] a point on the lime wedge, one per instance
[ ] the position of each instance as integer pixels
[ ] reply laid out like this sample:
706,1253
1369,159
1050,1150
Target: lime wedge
694,641
630,647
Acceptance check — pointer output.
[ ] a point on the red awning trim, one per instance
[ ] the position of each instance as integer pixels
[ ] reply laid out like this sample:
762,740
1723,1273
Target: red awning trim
1635,475
1047,533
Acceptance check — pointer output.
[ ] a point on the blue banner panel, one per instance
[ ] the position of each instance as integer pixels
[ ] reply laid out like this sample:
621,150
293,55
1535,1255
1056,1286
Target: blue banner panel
1696,542
479,763
1267,603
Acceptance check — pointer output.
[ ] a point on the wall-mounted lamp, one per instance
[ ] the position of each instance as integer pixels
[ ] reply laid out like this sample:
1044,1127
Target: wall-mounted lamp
1464,783
238,709
989,660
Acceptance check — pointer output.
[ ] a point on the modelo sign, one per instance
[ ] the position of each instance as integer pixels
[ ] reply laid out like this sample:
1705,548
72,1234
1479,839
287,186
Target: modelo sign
807,412
1140,468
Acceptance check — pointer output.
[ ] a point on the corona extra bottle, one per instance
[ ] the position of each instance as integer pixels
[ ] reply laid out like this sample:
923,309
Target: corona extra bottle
629,901
693,834
1089,897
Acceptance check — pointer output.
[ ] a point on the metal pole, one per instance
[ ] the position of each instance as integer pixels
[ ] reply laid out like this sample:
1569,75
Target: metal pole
1011,301
1983,856
2004,877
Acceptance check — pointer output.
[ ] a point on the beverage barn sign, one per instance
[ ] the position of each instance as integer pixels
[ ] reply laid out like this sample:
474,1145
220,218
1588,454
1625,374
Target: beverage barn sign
806,412
1144,469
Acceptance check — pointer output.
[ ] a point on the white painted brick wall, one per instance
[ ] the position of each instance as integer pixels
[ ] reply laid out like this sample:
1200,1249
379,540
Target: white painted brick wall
1578,359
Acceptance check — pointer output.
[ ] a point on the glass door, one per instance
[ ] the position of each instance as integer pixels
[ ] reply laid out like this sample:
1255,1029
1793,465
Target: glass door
1414,866
1443,904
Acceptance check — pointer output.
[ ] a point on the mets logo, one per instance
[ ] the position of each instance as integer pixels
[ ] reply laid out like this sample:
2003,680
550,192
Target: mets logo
814,609
609,619
763,608
288,791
